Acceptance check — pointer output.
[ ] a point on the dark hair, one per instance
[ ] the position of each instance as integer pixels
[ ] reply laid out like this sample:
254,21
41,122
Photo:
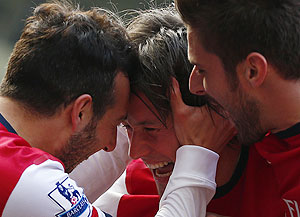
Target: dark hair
63,53
160,37
233,29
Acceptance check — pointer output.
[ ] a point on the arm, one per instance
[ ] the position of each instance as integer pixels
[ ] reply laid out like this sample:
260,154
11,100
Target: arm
46,190
109,201
102,169
192,183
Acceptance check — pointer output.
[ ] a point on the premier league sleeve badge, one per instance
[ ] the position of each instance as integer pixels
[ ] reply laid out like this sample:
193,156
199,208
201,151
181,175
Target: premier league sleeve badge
70,198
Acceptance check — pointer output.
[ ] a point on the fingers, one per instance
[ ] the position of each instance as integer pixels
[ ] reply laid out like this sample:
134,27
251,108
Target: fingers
175,99
199,125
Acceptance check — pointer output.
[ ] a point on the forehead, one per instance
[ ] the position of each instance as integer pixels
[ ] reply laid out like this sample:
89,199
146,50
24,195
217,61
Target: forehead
195,48
121,96
198,55
139,113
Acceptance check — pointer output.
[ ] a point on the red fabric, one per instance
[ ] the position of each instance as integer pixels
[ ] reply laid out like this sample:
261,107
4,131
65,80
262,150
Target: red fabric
15,156
138,205
268,187
137,177
94,212
143,199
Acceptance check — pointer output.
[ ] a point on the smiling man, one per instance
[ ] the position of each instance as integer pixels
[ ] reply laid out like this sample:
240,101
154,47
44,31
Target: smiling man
246,57
161,38
65,91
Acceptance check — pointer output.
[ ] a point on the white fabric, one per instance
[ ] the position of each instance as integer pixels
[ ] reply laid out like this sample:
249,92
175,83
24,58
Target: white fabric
190,188
109,201
102,169
36,194
192,183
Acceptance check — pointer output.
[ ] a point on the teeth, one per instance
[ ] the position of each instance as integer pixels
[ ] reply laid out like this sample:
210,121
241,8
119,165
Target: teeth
157,165
163,175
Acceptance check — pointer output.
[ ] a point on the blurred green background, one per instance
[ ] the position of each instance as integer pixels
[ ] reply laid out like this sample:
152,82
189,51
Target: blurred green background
14,12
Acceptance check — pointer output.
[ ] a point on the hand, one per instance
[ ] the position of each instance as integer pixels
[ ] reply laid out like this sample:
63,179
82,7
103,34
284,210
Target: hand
209,214
199,125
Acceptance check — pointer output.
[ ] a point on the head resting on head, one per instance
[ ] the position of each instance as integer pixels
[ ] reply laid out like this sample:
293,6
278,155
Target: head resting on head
64,52
160,37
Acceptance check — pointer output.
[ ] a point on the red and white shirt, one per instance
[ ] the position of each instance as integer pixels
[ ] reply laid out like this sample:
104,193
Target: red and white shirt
34,184
266,183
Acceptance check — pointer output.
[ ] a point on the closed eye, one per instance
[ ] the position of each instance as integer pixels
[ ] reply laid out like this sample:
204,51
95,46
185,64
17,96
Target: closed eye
149,129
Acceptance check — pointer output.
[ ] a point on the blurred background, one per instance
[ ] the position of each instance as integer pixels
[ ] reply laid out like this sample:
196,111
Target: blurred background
14,12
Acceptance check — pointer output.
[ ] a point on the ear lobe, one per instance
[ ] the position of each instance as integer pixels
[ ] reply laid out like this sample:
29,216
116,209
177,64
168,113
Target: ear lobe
82,112
256,69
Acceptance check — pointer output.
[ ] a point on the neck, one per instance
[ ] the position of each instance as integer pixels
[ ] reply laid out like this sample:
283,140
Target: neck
281,104
228,161
36,130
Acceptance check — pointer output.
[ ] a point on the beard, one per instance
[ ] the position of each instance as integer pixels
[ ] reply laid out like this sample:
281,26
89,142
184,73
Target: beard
79,147
246,117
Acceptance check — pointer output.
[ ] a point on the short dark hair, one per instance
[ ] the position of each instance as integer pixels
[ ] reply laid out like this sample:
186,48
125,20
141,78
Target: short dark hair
233,29
65,52
160,37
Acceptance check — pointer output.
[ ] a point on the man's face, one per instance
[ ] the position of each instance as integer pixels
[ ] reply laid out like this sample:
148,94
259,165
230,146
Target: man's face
150,140
208,77
98,134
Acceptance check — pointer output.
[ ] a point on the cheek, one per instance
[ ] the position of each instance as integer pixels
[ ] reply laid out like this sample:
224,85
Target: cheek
214,88
105,135
168,145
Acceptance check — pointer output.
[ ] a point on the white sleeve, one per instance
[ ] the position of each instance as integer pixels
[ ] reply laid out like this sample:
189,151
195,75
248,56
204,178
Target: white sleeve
191,185
109,201
46,190
96,174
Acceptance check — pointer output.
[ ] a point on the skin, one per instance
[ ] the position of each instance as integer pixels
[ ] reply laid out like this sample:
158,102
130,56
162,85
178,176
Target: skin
101,134
156,145
150,140
72,134
208,77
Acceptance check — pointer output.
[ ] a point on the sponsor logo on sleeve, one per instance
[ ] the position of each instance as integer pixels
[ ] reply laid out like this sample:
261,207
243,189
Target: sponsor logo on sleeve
69,199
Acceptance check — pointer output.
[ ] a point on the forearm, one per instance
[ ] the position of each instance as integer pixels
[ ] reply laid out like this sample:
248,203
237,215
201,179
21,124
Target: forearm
192,184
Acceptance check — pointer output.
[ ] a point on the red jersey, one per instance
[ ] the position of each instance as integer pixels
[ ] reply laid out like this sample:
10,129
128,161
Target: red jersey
34,184
269,184
265,183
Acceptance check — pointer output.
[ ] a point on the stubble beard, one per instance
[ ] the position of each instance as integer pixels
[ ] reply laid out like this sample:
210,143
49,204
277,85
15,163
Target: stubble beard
246,117
79,147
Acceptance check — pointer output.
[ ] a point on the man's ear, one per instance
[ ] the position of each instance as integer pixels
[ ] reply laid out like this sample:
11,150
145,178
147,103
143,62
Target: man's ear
82,112
256,69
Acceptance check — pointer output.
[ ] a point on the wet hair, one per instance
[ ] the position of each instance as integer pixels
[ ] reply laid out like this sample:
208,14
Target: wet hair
65,52
232,29
160,37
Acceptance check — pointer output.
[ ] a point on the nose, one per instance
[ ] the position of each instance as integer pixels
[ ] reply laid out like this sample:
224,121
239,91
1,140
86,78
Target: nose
196,82
113,141
138,145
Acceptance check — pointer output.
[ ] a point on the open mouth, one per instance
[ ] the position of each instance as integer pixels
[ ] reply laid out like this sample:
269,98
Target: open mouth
162,169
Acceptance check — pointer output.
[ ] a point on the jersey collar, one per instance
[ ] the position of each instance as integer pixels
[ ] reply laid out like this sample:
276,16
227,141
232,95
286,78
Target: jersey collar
5,123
